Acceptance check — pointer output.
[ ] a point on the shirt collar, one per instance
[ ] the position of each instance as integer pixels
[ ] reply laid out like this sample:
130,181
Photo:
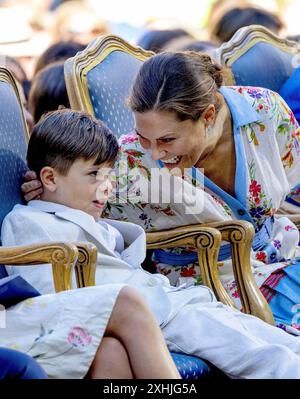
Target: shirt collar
46,206
241,110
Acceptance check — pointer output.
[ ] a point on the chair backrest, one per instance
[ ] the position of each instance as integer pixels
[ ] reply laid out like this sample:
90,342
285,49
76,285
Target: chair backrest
99,80
13,145
255,56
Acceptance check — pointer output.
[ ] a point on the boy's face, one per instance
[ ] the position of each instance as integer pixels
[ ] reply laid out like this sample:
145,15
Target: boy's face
86,187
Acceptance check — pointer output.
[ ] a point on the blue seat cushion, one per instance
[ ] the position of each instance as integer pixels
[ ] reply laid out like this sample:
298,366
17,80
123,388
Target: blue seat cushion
192,367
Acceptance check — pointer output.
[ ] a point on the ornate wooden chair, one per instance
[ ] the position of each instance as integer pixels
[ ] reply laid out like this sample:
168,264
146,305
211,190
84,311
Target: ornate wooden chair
98,81
13,145
255,56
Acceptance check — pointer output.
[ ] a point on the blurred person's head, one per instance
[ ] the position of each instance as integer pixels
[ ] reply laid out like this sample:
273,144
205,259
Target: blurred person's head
77,21
59,51
157,39
18,72
294,38
18,40
15,68
27,114
48,91
193,45
237,18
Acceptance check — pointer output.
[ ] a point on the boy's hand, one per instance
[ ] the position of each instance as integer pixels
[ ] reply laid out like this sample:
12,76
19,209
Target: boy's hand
32,188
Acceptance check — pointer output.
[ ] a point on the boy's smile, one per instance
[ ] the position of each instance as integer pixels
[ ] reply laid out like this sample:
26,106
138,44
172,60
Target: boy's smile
86,187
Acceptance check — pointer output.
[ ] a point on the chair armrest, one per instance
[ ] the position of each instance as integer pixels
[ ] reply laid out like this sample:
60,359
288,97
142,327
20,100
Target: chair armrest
206,241
240,235
85,267
61,256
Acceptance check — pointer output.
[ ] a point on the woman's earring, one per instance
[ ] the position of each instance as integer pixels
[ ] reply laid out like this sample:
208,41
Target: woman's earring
209,129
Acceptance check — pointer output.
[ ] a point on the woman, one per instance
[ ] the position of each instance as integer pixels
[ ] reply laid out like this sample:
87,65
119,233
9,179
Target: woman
186,121
69,342
247,143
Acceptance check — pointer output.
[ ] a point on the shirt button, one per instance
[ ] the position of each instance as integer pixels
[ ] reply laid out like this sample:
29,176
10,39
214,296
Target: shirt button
241,212
152,282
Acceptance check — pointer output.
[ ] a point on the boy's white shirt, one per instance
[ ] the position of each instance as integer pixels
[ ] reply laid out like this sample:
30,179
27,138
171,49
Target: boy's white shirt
42,221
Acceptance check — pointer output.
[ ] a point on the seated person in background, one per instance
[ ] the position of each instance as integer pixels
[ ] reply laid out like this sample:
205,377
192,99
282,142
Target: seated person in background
193,45
48,91
72,154
238,17
59,51
156,40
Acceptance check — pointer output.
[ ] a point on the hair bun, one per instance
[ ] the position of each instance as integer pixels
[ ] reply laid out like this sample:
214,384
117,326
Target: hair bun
213,69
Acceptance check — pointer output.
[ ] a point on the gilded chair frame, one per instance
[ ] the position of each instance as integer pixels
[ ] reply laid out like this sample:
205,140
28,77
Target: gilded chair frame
206,239
62,256
243,40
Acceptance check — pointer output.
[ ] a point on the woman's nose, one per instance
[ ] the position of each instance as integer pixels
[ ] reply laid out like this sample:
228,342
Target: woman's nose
157,153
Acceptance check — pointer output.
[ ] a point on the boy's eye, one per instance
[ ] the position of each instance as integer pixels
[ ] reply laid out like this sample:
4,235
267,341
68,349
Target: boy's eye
94,173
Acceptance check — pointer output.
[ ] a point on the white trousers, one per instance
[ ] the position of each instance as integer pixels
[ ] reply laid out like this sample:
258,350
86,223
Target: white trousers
240,345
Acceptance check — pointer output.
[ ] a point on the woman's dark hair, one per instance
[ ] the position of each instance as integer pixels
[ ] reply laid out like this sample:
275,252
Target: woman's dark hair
181,82
48,91
61,137
59,51
237,18
155,40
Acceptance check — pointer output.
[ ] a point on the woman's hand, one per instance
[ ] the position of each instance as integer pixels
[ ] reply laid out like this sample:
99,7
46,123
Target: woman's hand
32,187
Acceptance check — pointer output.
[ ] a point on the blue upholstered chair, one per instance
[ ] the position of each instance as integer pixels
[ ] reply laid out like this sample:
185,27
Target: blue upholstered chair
255,56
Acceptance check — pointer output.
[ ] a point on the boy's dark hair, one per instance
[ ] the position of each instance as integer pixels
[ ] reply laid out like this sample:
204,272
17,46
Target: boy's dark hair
63,136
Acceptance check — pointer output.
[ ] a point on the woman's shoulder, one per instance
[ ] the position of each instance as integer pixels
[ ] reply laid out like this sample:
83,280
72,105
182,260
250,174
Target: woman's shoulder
265,102
253,92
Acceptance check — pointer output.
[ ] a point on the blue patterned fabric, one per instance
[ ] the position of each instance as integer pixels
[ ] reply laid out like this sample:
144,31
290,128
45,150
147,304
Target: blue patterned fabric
264,65
109,85
192,367
13,149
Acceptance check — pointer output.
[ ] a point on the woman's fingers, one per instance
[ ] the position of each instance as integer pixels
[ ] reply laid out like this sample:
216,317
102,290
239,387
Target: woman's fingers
30,175
32,190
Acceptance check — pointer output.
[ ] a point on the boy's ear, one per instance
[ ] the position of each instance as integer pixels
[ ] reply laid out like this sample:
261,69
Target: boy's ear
48,177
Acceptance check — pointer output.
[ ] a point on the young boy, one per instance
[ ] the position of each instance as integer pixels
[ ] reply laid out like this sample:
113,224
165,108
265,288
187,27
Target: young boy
71,153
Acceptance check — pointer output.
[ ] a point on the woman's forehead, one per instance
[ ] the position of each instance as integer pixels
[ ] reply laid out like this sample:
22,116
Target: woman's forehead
157,122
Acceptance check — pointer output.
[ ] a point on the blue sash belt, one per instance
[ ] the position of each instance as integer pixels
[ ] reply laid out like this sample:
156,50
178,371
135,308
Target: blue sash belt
260,239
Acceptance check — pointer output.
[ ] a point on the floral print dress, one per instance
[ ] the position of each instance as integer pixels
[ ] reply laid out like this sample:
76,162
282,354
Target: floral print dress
267,143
